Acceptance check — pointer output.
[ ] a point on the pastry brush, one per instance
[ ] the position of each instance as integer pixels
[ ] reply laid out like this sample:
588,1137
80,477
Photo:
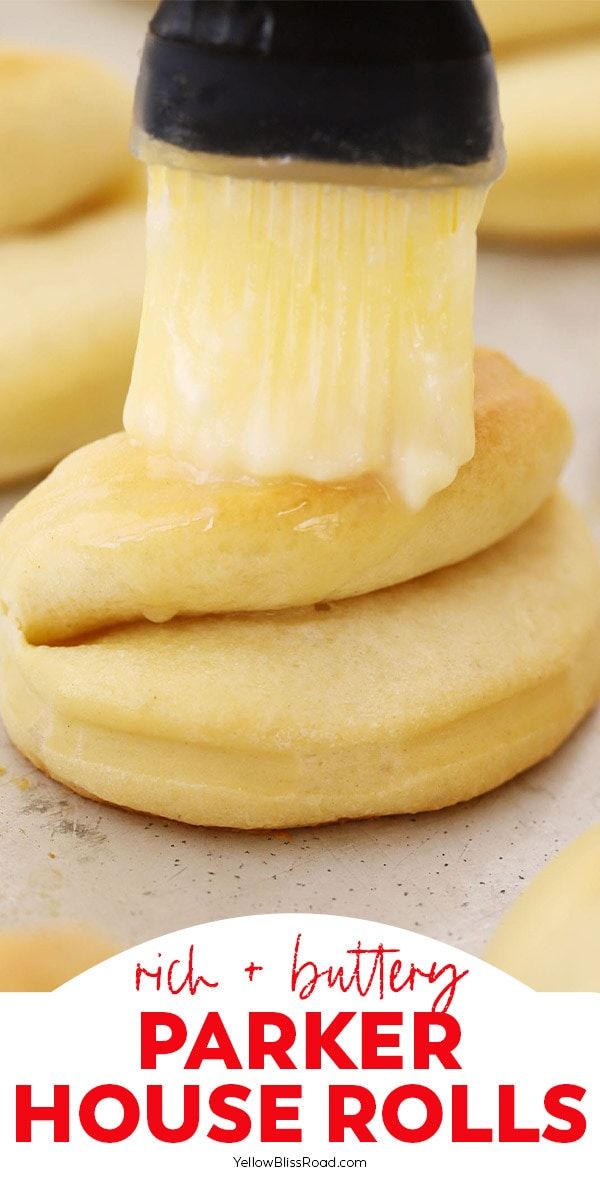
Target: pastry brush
316,175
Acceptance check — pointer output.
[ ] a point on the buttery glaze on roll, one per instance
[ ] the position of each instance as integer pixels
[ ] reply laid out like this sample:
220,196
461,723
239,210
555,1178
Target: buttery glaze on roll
116,534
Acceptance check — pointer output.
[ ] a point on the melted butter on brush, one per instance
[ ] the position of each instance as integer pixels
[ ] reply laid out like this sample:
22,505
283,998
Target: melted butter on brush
298,328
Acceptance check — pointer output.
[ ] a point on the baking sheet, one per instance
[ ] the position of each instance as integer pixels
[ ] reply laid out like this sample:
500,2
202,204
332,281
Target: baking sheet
448,874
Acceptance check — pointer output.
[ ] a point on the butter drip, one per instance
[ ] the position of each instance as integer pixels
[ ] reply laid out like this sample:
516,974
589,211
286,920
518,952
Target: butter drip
318,331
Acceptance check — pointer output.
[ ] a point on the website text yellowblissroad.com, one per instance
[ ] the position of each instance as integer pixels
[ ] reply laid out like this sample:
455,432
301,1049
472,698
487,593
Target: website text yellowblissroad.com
280,1160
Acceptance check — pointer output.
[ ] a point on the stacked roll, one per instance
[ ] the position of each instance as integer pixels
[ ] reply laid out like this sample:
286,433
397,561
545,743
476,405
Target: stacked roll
279,653
311,579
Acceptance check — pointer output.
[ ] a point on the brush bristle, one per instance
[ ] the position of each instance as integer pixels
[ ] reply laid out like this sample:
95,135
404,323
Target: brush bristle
306,329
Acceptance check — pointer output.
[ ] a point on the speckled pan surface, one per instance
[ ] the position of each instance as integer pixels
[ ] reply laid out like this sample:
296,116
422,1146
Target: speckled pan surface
450,874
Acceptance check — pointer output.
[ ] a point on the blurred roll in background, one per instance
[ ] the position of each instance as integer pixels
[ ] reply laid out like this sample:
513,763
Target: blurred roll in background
71,255
548,54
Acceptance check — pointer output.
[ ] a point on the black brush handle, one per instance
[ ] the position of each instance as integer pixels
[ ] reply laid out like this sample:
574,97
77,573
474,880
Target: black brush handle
401,83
